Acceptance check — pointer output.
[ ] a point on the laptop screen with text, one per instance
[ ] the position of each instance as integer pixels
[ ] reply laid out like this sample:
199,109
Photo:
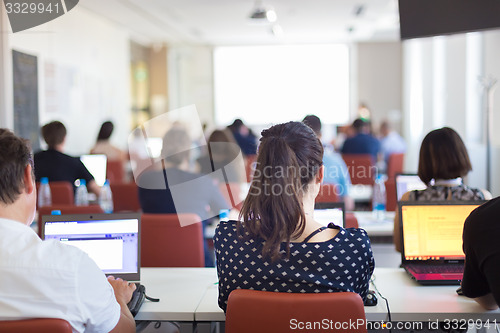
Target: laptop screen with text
408,182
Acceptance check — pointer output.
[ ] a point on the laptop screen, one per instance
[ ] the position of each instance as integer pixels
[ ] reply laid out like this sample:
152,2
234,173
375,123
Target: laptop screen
96,164
433,231
111,240
408,182
326,213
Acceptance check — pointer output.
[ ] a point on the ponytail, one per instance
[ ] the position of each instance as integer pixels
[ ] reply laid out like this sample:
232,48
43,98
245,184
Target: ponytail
289,157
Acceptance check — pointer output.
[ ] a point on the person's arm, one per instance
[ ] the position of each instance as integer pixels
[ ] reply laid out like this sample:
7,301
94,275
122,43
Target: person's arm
397,231
487,301
123,293
487,194
94,188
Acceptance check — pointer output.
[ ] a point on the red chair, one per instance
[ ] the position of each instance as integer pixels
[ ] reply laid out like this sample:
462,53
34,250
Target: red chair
361,168
390,195
351,221
250,311
61,192
395,165
66,209
327,193
125,197
164,243
249,166
115,171
39,325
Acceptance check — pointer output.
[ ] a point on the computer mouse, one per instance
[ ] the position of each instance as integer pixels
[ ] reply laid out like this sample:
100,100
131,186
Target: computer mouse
460,292
371,299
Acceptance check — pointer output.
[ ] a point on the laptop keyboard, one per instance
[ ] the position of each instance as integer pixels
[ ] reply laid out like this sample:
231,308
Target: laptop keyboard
439,269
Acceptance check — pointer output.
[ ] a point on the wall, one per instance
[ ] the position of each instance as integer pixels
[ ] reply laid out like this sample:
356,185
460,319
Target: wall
379,80
84,70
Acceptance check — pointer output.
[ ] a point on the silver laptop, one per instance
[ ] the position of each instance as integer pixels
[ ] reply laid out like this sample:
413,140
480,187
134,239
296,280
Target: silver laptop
111,240
330,212
406,182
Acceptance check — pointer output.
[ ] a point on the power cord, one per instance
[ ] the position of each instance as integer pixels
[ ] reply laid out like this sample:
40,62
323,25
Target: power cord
372,281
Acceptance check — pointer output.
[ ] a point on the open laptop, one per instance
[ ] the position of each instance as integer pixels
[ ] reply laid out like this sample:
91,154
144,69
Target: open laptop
432,239
328,212
111,240
96,164
406,182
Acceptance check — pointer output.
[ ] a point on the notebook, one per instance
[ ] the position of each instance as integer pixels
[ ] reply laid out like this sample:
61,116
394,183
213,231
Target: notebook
408,182
328,212
96,164
432,239
111,240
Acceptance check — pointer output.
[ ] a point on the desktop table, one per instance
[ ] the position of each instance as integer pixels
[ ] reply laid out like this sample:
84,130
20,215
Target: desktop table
374,227
190,295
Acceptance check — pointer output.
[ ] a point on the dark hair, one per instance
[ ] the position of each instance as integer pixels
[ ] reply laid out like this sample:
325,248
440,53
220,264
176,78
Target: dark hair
15,155
105,131
314,122
222,136
176,145
289,157
54,133
235,126
360,124
443,156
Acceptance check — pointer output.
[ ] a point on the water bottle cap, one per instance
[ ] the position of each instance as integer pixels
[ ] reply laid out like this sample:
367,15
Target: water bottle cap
224,213
106,182
83,182
44,180
55,212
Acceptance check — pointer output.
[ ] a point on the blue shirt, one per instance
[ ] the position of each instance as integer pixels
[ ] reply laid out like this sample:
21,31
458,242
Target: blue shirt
336,172
344,263
362,144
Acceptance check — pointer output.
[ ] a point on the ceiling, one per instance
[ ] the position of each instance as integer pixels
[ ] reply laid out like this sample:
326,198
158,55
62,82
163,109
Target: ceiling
226,22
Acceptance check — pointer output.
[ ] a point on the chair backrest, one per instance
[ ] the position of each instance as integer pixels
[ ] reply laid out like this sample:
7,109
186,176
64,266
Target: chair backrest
249,166
164,243
66,209
327,193
125,197
115,171
250,311
39,325
361,168
351,221
390,195
61,192
395,165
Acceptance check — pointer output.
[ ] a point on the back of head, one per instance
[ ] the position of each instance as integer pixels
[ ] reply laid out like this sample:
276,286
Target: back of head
176,145
54,133
15,155
314,122
360,126
224,136
385,128
105,131
289,158
443,155
235,126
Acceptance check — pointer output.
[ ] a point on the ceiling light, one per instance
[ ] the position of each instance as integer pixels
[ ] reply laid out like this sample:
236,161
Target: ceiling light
262,14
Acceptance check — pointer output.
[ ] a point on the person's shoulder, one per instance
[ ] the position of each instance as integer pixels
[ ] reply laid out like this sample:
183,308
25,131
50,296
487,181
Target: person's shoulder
226,227
485,213
357,233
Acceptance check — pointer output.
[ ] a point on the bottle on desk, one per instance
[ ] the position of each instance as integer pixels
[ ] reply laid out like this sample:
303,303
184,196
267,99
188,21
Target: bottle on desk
379,198
82,195
44,195
106,198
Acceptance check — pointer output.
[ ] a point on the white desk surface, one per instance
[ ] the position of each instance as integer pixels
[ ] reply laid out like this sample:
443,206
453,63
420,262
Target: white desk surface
179,290
373,227
190,294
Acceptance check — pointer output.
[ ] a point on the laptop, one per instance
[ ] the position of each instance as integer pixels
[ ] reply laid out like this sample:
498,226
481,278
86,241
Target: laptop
432,239
330,212
406,182
96,164
111,240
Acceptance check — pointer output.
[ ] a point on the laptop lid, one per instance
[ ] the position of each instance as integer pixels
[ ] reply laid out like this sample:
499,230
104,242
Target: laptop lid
432,231
111,240
327,212
406,182
96,164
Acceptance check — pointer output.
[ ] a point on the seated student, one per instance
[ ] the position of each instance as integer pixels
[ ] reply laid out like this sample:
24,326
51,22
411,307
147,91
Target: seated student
442,163
203,197
362,142
47,278
335,169
277,245
104,146
390,141
57,166
244,137
481,279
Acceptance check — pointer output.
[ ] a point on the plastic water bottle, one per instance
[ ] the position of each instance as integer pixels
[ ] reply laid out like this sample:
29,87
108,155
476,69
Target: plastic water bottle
44,195
224,215
82,195
106,198
379,198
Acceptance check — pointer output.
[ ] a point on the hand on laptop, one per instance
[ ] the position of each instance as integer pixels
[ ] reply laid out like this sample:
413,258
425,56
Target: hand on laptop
123,290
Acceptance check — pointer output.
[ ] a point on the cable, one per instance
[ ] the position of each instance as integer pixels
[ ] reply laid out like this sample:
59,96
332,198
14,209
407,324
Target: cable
372,281
151,298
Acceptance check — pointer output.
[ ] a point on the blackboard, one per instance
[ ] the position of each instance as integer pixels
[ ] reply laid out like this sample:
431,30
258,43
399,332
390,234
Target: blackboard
25,77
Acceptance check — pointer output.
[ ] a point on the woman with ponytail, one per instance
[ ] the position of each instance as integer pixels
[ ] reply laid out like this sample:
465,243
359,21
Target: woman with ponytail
277,245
